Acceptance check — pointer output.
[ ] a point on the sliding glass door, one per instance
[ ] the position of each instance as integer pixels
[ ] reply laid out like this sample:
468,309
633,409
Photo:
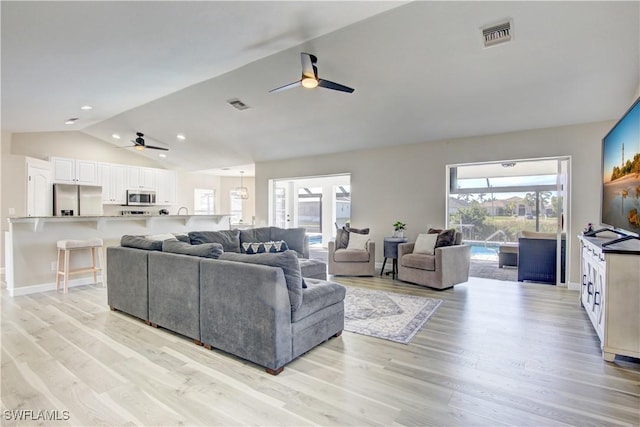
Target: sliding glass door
315,203
493,203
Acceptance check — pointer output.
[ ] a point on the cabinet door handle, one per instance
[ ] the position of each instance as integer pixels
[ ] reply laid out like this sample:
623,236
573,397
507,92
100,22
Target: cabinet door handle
589,286
595,298
584,280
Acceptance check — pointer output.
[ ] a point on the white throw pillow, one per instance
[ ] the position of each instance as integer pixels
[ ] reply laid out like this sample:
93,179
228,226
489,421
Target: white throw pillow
162,237
425,244
357,242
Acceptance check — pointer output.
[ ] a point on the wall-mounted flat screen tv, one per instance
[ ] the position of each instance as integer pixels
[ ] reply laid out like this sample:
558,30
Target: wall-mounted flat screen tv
621,174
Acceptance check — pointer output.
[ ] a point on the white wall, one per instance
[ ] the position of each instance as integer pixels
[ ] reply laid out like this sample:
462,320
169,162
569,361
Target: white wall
407,182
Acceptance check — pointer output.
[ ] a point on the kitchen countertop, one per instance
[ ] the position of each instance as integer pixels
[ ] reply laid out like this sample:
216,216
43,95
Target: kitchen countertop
101,221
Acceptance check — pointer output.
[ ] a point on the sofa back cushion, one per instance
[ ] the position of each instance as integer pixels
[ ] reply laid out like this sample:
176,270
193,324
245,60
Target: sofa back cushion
254,235
295,238
229,239
206,250
287,261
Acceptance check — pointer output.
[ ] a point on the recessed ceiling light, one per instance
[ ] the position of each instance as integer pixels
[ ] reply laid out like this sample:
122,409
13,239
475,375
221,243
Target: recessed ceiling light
162,155
86,107
181,137
115,136
71,121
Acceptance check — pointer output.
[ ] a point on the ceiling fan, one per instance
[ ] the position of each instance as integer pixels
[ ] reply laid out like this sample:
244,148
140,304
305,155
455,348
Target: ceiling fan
139,144
310,78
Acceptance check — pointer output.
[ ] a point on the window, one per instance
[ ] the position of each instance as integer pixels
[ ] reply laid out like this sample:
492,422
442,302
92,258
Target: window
236,208
204,201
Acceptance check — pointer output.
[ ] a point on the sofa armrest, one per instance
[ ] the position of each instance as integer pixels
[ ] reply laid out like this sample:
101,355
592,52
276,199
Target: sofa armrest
453,262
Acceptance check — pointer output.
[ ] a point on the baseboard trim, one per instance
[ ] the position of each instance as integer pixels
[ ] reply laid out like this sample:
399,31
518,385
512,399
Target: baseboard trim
46,287
573,286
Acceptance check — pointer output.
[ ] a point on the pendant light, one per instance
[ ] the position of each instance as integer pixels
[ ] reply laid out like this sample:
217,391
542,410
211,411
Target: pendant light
241,192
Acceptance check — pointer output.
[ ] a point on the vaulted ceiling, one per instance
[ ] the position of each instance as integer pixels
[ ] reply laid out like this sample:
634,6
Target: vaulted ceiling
419,69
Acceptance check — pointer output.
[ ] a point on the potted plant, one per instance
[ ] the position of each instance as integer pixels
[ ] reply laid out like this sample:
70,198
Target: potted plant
398,229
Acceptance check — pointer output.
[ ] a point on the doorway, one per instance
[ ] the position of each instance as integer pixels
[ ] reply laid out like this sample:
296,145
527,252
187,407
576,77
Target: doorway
316,203
494,203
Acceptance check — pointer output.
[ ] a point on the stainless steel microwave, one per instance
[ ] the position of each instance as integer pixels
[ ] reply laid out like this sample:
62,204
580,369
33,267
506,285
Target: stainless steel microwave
141,197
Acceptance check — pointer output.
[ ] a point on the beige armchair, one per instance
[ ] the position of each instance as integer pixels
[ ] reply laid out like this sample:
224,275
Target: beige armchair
448,266
346,262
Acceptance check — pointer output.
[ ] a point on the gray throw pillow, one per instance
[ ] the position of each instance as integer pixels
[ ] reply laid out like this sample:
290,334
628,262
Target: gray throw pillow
140,242
207,250
183,237
357,230
287,261
445,237
229,239
342,238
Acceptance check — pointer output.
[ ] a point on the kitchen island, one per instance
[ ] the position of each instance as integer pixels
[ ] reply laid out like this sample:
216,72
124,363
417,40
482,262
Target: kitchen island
30,243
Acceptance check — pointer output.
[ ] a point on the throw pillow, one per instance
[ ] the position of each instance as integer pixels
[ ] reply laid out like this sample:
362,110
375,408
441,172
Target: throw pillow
262,247
357,230
183,237
206,250
229,239
342,238
425,244
287,261
446,238
139,242
160,237
358,242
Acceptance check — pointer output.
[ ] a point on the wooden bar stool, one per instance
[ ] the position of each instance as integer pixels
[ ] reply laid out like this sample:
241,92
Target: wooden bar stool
66,246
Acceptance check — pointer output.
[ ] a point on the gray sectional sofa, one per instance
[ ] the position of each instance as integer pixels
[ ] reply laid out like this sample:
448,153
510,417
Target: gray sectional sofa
257,307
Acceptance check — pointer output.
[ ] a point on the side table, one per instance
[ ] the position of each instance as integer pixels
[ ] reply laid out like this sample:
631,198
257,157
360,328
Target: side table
391,251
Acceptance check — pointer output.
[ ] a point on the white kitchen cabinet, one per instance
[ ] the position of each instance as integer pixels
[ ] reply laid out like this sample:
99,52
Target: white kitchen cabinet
165,187
73,171
611,294
141,178
39,190
112,178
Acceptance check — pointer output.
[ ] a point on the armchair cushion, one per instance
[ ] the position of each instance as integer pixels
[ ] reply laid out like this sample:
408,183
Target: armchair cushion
348,255
421,261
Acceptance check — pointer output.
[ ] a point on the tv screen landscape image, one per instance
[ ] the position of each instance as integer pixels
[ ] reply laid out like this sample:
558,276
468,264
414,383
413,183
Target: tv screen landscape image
621,173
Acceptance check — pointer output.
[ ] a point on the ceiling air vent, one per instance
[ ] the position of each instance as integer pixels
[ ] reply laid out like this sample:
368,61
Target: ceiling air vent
496,34
237,104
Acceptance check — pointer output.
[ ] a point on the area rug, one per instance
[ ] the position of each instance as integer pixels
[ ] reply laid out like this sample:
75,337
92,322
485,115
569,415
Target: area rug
386,315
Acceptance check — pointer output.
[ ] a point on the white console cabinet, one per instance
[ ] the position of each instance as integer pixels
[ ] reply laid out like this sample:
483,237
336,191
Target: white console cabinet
610,293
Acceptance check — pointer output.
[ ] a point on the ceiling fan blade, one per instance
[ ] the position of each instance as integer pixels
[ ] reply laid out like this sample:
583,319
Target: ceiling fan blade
153,147
309,68
285,87
335,86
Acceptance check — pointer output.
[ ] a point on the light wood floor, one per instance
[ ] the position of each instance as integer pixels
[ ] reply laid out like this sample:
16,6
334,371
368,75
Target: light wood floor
494,353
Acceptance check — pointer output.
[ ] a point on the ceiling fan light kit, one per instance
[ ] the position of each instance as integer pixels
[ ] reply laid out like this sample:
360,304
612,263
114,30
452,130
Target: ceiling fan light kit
139,144
310,78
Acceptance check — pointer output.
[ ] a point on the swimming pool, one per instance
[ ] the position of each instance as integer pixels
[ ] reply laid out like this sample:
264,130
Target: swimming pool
480,251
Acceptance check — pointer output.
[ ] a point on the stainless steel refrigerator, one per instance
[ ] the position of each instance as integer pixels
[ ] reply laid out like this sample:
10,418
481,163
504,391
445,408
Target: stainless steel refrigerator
74,200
